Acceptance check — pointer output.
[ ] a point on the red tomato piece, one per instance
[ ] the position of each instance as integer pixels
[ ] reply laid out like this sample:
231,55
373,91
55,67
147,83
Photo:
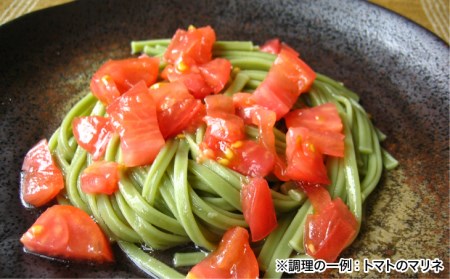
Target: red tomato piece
100,177
295,69
264,119
233,258
92,133
219,103
271,46
288,77
192,46
304,161
250,158
115,77
216,73
176,108
329,232
258,209
331,228
242,102
67,232
267,96
189,56
328,143
225,127
275,46
191,77
323,118
252,113
317,194
134,117
41,179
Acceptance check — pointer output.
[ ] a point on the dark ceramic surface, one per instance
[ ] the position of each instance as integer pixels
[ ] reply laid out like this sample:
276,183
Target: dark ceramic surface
399,69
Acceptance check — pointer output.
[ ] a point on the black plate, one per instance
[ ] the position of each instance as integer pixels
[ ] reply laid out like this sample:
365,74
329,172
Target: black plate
399,69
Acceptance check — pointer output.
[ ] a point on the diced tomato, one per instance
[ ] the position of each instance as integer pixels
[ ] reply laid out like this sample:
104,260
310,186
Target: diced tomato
323,118
176,108
288,77
317,195
216,73
250,158
304,161
92,133
328,143
264,119
64,231
189,56
297,71
324,127
115,77
191,77
201,80
271,46
219,103
134,117
267,96
41,179
331,228
242,101
224,140
258,209
275,46
257,115
233,258
225,127
100,177
192,46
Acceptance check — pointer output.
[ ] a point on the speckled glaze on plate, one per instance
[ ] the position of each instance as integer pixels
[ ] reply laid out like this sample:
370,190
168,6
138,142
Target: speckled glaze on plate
399,69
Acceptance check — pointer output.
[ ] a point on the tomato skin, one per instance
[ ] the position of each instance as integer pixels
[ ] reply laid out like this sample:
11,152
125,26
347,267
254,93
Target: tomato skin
100,177
115,77
134,117
258,208
233,258
331,228
176,108
41,179
304,161
192,46
64,231
92,133
323,118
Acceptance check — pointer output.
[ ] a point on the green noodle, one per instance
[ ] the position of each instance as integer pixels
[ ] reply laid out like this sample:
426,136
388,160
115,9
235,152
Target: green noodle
178,200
